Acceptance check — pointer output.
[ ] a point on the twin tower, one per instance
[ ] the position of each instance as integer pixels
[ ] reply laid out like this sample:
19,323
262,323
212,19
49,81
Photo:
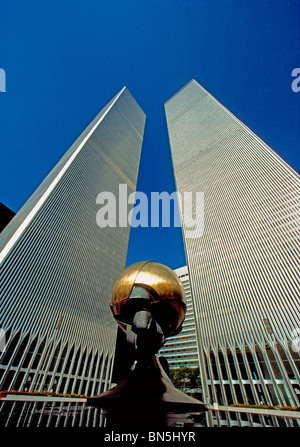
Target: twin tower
58,266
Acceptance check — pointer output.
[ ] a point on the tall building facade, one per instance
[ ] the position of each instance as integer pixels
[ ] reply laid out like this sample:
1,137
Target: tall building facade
181,350
6,216
244,264
58,266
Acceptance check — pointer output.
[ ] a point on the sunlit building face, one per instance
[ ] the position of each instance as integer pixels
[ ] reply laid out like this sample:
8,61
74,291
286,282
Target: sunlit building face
58,267
243,267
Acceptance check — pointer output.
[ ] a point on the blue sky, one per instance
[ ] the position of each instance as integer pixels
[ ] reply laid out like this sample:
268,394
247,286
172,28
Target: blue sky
65,60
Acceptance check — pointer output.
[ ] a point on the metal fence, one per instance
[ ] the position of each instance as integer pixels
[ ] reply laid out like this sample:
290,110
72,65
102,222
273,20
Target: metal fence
50,411
40,411
226,416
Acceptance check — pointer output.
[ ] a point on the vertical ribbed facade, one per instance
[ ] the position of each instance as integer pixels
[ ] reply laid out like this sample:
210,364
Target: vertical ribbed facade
58,266
181,349
244,265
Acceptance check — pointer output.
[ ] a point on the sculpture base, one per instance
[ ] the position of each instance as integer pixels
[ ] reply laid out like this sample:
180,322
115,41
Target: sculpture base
146,398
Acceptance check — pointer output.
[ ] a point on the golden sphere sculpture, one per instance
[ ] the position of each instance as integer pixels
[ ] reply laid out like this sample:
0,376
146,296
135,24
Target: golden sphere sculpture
151,286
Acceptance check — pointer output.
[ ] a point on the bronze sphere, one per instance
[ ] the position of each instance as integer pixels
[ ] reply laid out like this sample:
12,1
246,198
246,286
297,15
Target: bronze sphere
152,286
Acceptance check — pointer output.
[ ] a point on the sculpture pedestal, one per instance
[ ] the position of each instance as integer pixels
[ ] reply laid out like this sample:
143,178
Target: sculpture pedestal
146,398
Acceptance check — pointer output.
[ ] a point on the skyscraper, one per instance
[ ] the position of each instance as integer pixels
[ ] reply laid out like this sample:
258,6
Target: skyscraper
6,216
244,266
181,349
58,266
